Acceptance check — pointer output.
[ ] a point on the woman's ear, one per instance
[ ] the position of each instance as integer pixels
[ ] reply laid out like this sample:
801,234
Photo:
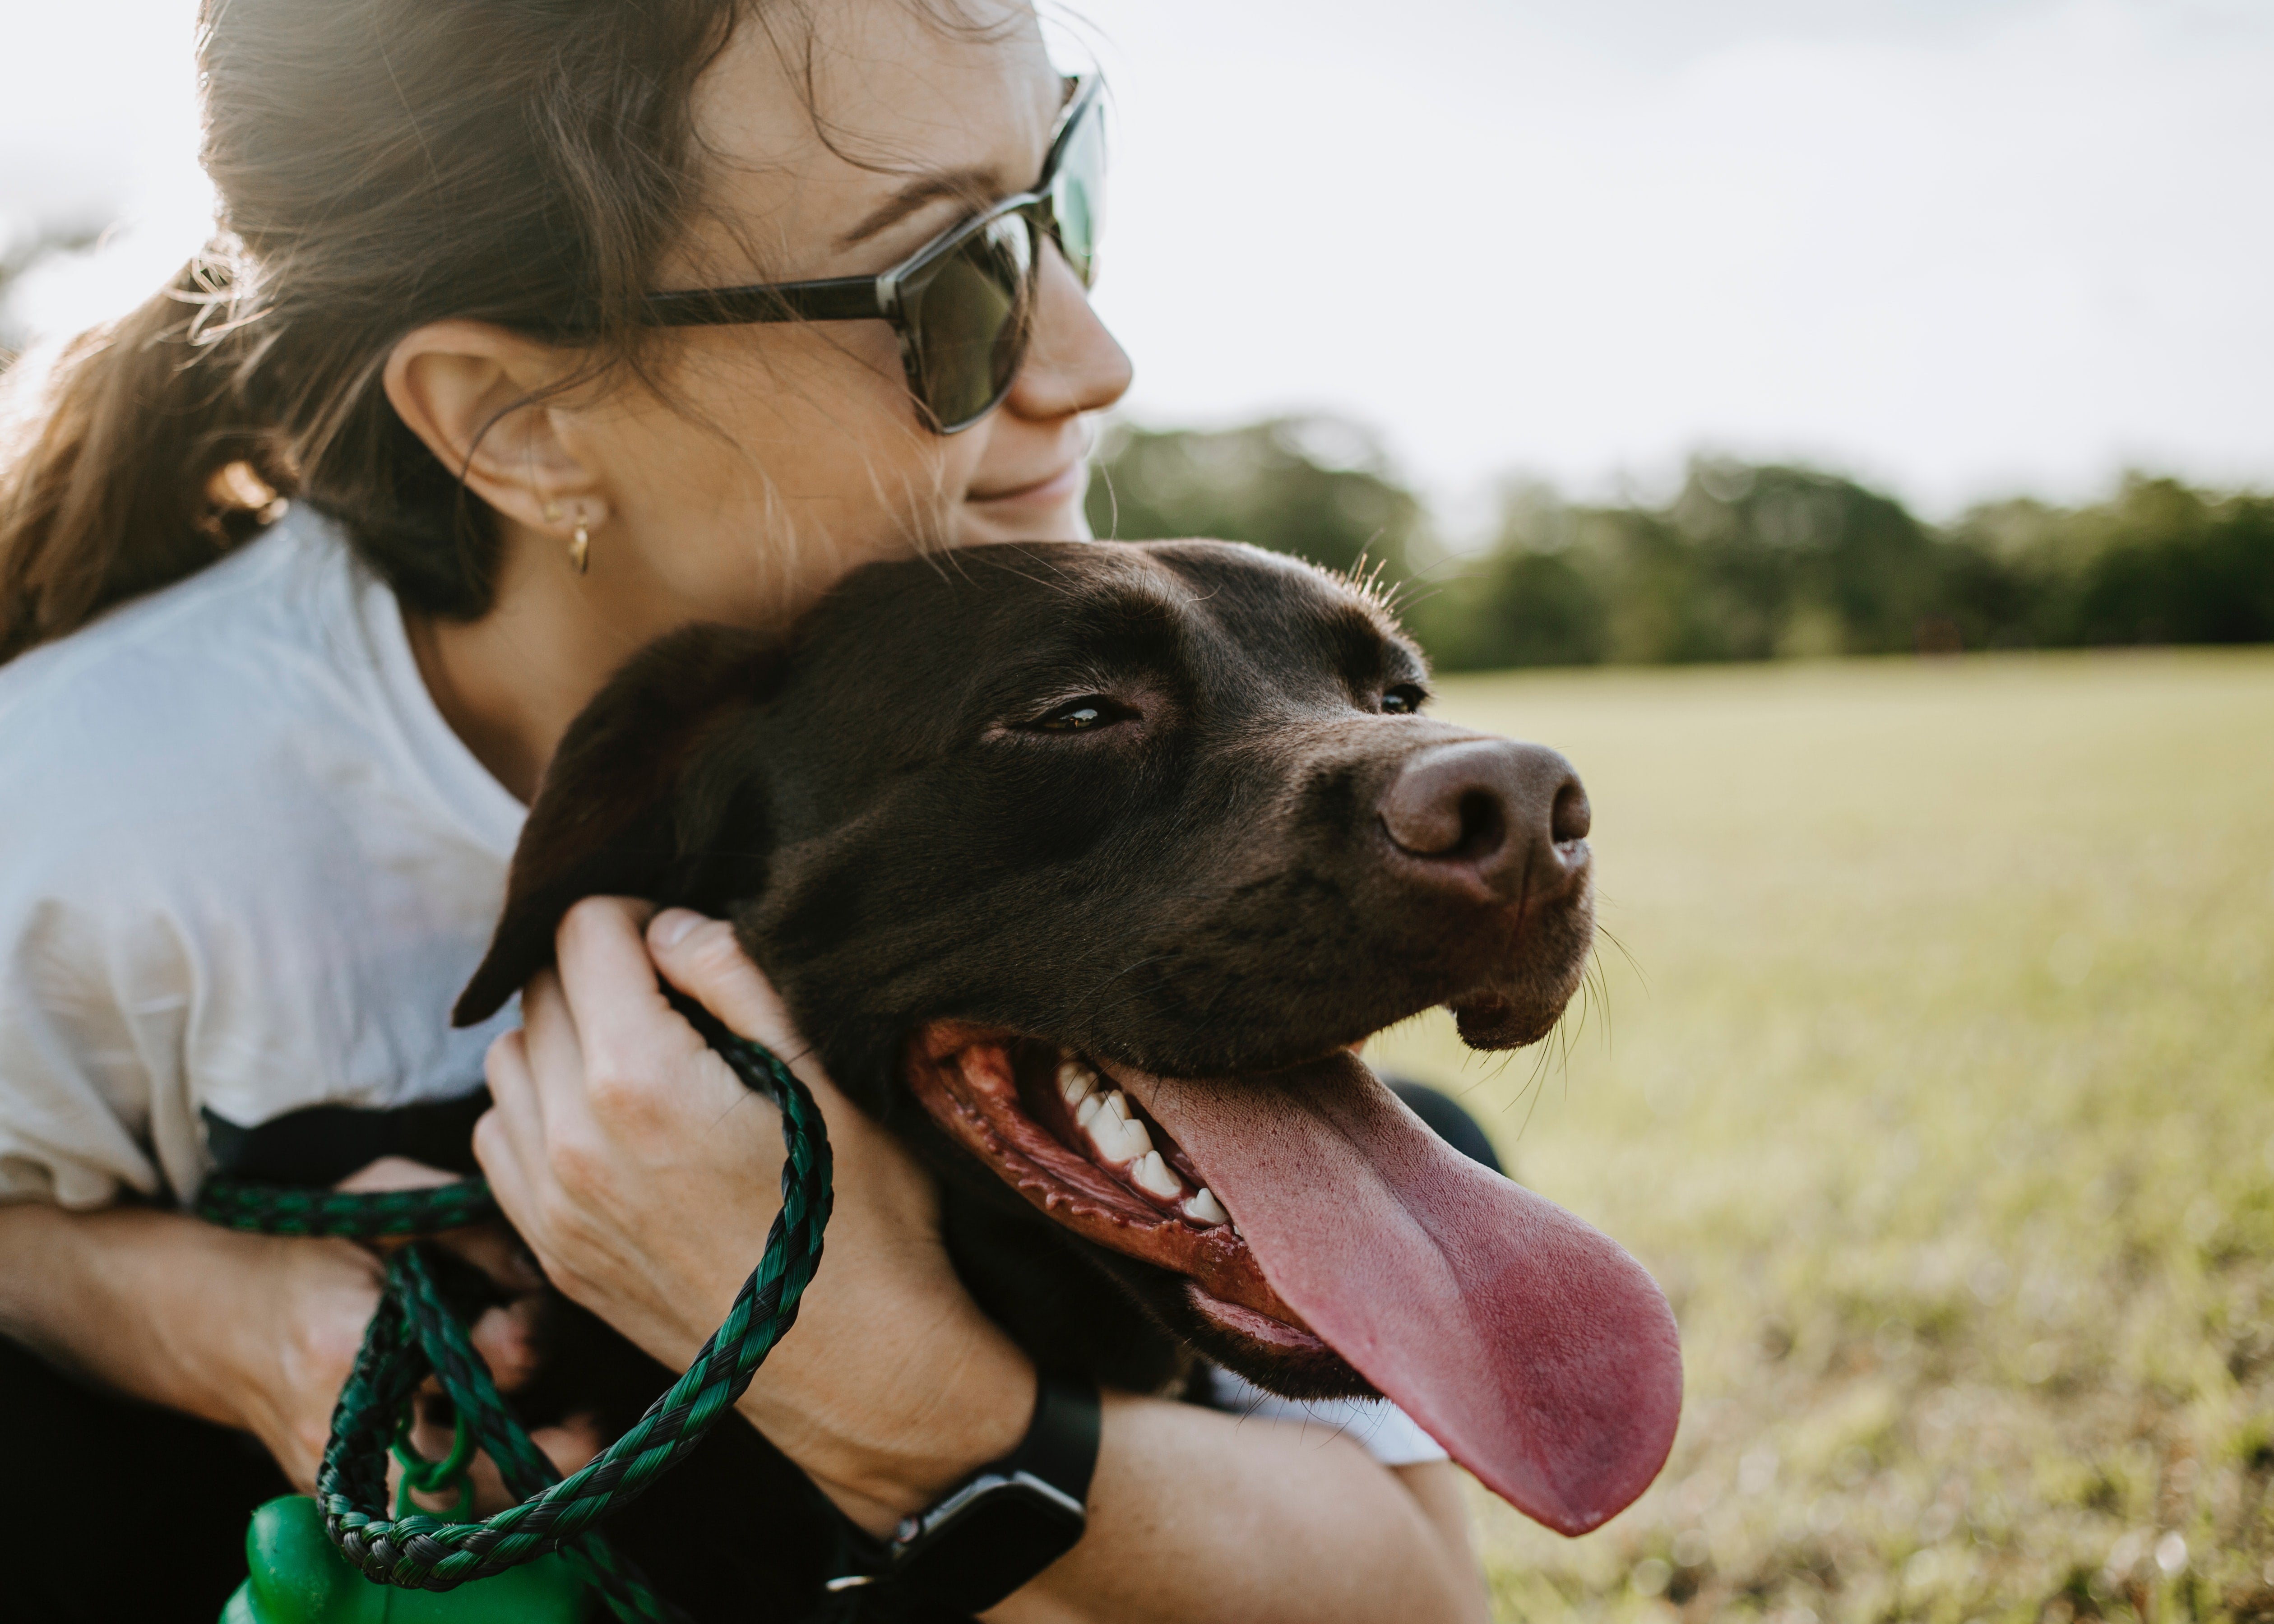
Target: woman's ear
465,388
614,816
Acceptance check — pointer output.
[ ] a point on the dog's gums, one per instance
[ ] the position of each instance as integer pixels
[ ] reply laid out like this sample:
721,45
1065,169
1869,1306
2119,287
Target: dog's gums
1087,1155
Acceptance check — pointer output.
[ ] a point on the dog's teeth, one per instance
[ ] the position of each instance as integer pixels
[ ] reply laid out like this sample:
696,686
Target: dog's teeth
1122,1140
1152,1176
1086,1113
1076,1081
1205,1208
1118,1141
1117,1103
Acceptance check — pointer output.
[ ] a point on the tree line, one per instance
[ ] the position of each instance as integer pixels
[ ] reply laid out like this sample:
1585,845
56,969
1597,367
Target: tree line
1746,562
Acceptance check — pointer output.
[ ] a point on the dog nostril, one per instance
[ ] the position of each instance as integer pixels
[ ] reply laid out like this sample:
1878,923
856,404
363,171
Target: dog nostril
1508,814
1484,824
1452,802
1572,817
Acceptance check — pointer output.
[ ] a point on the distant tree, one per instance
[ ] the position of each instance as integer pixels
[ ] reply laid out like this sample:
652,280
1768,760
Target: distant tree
1319,488
2209,581
1526,602
1534,609
2159,562
1799,562
1746,562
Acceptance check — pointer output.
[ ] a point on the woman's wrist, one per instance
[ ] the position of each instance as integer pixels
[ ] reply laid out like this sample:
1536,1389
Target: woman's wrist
892,1446
245,1331
269,1339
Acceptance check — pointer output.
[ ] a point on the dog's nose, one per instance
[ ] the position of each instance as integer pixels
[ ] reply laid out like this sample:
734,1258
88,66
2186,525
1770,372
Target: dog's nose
1510,817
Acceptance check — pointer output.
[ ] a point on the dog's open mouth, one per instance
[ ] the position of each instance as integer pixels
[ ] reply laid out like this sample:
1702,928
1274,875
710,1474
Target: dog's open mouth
1060,1131
1310,1212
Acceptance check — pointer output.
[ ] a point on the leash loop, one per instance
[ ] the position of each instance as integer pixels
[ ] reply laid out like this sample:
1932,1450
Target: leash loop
414,1335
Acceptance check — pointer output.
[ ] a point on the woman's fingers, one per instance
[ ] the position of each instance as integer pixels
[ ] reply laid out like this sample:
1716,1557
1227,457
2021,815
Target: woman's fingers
509,1136
493,1248
505,1337
396,1173
624,1028
643,1075
513,1091
571,1445
553,1052
702,958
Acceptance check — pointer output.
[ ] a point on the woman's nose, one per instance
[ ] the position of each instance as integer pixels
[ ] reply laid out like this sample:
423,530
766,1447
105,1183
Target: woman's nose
1073,363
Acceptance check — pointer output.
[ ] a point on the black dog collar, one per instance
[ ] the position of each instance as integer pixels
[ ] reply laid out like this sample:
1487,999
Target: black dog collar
1005,1522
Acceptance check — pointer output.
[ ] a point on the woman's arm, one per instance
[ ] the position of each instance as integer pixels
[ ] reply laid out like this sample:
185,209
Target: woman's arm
1197,1514
644,1175
251,1331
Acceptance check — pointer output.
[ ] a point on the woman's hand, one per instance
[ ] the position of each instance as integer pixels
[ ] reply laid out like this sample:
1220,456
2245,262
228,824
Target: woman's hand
644,1176
286,1328
505,1335
298,1332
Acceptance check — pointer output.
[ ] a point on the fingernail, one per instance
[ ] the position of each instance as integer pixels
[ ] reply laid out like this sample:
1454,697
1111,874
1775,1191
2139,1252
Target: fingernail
671,925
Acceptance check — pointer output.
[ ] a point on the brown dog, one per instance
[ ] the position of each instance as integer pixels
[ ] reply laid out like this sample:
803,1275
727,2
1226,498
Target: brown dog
1083,866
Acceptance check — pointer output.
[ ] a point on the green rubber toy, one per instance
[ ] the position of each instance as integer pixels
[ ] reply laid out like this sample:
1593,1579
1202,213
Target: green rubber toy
298,1578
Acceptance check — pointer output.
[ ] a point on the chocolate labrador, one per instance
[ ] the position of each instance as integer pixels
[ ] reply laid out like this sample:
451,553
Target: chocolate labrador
1084,867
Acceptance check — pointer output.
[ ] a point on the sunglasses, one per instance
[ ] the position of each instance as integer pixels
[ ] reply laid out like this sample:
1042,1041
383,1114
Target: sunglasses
963,304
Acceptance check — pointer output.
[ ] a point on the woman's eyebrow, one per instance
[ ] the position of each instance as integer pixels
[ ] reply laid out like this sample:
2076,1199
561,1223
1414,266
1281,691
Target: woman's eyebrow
977,185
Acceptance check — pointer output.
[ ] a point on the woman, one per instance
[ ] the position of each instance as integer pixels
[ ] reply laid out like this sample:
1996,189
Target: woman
256,818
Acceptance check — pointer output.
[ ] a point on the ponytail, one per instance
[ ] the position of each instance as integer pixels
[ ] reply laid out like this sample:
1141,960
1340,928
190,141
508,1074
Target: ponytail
133,463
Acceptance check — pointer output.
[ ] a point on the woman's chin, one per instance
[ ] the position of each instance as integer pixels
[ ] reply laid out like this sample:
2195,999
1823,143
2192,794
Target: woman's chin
1048,512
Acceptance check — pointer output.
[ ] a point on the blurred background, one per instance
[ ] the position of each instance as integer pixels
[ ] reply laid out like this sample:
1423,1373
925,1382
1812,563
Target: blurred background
1844,427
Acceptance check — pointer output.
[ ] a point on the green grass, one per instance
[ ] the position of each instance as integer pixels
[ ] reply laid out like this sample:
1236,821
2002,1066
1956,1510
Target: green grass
1935,1082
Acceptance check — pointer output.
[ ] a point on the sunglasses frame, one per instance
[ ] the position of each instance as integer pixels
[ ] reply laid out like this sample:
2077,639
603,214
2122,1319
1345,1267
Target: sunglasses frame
884,297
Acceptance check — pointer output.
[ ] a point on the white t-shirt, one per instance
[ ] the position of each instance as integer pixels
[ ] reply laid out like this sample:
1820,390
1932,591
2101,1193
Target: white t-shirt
1376,1426
244,868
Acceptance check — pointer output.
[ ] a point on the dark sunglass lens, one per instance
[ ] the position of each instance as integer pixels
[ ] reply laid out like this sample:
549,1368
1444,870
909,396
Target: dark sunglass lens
1078,193
969,322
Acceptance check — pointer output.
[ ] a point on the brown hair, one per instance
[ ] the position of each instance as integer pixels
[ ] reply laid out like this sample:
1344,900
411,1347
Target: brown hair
380,164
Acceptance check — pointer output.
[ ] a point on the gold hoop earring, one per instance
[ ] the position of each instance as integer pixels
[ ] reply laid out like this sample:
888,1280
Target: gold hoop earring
580,549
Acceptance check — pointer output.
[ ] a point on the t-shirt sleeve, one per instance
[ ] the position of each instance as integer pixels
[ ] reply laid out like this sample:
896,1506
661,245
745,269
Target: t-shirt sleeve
96,980
1376,1426
83,1058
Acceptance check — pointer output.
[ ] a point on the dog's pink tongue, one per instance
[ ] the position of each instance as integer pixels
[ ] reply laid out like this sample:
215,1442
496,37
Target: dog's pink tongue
1530,1346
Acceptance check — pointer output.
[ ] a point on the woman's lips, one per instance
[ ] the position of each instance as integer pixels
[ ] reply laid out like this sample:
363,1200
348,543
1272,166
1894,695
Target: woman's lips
1052,489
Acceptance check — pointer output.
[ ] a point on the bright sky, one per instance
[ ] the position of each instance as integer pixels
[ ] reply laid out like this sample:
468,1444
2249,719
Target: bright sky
1960,247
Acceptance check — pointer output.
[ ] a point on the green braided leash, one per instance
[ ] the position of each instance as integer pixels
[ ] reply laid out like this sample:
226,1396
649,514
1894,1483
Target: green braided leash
415,1334
380,1215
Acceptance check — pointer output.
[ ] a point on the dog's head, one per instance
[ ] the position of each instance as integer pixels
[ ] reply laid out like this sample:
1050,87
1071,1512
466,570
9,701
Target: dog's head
1083,866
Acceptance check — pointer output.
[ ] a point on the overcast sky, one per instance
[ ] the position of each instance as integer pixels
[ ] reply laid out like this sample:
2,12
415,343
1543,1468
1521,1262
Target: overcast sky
1959,247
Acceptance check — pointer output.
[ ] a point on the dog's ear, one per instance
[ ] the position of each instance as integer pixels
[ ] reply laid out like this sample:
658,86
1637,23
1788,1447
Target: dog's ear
610,818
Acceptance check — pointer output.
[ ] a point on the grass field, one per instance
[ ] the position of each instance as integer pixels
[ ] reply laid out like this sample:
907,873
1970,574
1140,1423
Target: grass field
1936,1085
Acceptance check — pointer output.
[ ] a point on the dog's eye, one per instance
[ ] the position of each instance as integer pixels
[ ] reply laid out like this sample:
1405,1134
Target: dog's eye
1404,699
1080,715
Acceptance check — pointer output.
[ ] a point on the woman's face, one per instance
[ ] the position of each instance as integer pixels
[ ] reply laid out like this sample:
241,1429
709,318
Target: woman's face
777,456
